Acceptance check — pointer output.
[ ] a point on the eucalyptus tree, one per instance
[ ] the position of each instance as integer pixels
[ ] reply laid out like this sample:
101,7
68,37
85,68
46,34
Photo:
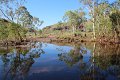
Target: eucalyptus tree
102,20
23,16
99,11
20,18
115,17
90,5
73,18
7,11
26,19
36,23
3,30
70,18
9,5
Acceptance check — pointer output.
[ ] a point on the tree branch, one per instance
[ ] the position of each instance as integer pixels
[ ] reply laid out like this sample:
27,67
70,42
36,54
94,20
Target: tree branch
6,15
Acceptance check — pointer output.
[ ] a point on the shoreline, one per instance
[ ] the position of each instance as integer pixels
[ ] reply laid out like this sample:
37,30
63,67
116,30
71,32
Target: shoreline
58,40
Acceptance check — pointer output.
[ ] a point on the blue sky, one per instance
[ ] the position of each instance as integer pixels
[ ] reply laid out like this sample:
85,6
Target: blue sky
51,11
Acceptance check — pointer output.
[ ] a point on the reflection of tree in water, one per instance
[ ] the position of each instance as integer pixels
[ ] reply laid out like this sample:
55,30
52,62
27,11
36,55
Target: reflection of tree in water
17,63
107,56
103,64
73,56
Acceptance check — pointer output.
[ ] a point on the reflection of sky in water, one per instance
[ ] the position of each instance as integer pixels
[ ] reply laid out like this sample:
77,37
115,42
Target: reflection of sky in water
49,61
48,66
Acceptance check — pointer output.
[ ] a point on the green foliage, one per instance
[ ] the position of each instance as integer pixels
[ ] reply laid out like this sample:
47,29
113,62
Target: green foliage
103,21
11,31
73,18
17,20
115,18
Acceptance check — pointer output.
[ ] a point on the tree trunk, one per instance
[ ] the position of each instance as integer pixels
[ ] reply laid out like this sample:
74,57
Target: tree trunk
20,37
93,21
73,30
94,29
117,33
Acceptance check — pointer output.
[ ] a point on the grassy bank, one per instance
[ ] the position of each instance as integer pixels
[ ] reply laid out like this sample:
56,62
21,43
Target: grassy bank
68,37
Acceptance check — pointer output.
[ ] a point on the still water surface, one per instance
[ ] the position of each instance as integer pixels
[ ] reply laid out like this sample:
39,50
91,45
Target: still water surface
46,61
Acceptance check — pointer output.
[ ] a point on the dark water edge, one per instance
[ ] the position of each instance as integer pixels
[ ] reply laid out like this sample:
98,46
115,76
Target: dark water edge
60,61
